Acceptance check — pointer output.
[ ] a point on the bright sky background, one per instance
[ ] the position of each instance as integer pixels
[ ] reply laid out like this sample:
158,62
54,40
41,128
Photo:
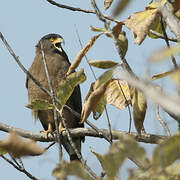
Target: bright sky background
23,23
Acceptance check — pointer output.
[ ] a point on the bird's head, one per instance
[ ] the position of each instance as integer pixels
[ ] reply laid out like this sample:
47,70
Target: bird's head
51,42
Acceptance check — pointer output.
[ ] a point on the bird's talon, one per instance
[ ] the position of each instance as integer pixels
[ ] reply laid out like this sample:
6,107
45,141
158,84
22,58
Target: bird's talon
61,128
46,132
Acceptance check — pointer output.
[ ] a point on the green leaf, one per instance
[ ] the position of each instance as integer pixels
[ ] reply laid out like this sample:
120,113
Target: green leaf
66,86
133,150
104,78
112,161
99,108
174,169
74,168
95,29
157,27
167,152
40,105
104,64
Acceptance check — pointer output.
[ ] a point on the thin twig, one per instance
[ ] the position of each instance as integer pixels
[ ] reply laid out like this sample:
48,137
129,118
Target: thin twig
29,75
16,58
109,125
77,33
159,35
69,136
103,19
164,125
91,125
49,146
53,101
97,11
21,163
15,161
69,7
80,10
18,168
37,82
167,43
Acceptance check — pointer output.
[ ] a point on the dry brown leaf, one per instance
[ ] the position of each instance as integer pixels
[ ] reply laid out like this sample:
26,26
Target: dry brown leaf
122,40
18,147
162,75
81,54
92,100
141,22
117,29
107,4
139,108
118,93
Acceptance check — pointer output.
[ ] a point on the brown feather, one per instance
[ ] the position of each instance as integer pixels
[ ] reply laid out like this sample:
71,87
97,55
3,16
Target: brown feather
58,64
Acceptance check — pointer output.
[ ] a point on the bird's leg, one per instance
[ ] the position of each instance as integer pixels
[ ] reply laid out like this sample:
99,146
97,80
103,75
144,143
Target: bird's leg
61,128
49,130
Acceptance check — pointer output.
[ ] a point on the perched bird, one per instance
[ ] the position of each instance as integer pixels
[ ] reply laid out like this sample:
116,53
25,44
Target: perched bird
58,64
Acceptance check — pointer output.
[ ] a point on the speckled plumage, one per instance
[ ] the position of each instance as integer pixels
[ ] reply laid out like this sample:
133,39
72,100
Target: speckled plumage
58,64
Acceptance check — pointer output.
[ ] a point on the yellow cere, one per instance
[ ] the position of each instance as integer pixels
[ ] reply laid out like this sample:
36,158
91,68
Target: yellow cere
57,40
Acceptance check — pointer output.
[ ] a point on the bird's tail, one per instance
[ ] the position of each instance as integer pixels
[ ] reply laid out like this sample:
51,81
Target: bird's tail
69,148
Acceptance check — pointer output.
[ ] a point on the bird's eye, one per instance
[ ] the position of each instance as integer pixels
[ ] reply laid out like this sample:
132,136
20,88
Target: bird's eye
52,39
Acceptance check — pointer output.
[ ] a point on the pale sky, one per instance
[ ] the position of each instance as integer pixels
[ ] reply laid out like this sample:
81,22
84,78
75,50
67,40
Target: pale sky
23,23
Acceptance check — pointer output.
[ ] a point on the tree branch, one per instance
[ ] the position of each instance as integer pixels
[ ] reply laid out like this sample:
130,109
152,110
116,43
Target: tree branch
171,20
80,10
78,132
39,85
159,35
53,101
19,168
164,125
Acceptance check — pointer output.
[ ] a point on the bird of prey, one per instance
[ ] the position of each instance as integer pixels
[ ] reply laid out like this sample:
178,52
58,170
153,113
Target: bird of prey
58,65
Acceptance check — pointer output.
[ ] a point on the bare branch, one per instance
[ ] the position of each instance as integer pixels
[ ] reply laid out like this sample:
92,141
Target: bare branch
80,132
159,35
18,168
171,20
40,86
164,125
167,43
53,101
80,10
69,7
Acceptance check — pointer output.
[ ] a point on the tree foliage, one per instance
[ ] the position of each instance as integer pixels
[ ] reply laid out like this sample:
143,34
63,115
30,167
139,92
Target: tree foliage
112,88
